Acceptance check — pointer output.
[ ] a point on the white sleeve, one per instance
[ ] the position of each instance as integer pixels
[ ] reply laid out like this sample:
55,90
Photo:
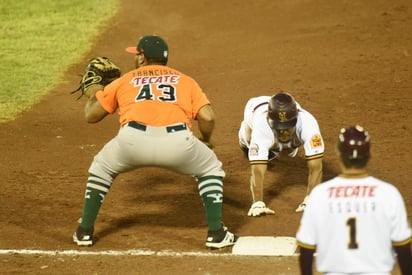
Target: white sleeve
400,228
262,139
310,135
306,234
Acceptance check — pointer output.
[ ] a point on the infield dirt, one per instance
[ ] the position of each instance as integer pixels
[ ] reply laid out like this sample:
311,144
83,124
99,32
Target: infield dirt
346,62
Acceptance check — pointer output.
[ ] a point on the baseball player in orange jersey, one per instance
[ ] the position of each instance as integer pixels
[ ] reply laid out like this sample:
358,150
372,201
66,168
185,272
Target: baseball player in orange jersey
156,104
355,222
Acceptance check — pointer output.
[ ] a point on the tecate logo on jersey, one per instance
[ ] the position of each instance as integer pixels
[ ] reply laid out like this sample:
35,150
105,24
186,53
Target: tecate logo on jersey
163,79
357,191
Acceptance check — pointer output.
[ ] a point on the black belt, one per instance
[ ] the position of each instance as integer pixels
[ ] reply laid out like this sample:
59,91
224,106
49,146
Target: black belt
169,129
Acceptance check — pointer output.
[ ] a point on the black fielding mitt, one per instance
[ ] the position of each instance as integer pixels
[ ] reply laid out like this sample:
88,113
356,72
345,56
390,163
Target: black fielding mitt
100,70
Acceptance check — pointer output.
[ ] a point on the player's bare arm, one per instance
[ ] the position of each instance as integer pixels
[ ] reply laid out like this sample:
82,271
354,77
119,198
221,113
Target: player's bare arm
314,178
256,181
206,123
314,173
258,207
306,261
404,256
94,112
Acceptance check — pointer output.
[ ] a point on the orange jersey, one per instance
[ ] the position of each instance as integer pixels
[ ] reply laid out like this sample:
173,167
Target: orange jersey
154,95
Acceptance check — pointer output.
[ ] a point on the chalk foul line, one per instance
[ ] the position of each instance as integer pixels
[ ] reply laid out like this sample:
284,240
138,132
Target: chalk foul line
132,252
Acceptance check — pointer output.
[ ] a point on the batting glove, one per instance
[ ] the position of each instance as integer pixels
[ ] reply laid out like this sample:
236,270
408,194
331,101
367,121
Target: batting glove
259,208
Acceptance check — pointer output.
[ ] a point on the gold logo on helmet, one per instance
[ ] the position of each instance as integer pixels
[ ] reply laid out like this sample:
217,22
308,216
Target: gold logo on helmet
282,116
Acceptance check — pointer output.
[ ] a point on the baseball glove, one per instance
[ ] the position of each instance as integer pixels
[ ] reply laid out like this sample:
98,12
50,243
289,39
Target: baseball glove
100,70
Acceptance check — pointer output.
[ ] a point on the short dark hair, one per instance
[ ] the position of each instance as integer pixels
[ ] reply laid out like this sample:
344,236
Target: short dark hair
160,61
355,163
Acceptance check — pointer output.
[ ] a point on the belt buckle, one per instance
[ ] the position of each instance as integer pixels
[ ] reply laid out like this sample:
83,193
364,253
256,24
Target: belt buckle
176,128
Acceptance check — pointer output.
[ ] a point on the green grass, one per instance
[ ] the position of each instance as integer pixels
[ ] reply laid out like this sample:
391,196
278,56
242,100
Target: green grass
39,40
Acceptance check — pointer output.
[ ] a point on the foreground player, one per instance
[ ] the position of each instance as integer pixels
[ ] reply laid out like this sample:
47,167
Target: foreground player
270,126
156,104
354,221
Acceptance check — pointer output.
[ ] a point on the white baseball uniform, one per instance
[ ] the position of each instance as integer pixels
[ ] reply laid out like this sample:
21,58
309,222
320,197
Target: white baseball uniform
263,139
353,222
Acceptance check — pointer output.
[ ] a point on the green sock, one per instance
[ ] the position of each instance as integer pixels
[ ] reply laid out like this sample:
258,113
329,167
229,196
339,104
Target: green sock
211,192
96,190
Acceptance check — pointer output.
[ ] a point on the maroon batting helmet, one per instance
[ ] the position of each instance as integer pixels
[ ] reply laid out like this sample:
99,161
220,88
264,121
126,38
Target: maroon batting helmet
282,111
354,143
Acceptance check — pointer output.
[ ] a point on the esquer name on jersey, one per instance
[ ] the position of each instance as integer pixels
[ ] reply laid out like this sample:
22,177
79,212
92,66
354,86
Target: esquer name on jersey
352,199
352,206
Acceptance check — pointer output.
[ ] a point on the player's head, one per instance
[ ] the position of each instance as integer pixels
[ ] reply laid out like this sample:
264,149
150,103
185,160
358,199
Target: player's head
354,146
153,48
283,115
282,111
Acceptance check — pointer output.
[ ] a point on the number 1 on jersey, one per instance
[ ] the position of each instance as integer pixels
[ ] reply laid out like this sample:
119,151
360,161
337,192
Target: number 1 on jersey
351,223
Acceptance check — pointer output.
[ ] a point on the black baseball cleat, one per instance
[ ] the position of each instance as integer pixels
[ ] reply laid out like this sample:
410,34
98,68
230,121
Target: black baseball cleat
220,238
83,237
